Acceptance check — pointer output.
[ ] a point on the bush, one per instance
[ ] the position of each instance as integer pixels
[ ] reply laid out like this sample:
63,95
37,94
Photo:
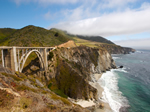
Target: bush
50,56
65,101
23,87
56,34
25,102
12,76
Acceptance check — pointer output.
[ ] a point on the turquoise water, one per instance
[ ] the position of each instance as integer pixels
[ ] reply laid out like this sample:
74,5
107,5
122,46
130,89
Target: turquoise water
134,79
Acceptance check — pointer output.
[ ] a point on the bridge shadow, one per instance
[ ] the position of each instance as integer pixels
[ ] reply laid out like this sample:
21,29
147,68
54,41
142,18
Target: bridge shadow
33,67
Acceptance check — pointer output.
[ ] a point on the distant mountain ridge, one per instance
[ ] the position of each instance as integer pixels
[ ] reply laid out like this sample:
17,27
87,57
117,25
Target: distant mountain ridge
95,38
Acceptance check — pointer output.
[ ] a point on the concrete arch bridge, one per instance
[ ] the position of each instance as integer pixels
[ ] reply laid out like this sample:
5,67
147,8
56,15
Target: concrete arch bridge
15,57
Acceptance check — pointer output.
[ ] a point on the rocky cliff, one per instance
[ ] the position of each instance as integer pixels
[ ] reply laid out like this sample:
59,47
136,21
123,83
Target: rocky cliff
115,49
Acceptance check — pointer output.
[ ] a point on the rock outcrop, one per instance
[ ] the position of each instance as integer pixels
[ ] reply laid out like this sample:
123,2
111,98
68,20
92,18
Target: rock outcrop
115,49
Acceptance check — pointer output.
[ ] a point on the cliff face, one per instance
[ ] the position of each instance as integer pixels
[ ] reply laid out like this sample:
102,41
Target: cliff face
70,69
115,49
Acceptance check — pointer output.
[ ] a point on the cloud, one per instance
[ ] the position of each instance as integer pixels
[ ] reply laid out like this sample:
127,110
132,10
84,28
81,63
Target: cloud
116,3
127,22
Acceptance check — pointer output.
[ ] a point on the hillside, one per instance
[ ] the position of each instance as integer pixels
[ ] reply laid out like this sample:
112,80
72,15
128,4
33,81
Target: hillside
5,32
95,39
32,36
115,49
96,42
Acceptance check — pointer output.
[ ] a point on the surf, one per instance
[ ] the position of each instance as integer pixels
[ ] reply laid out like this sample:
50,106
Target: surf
111,93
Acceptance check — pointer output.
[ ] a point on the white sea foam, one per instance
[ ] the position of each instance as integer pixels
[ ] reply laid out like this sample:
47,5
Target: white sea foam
122,70
111,93
139,52
115,58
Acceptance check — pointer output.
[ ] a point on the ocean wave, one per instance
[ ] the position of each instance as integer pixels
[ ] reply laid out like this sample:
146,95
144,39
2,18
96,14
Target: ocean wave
139,52
121,70
111,93
115,58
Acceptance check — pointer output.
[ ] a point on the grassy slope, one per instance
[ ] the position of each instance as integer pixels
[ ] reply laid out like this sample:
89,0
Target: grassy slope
33,36
95,39
78,40
5,32
89,43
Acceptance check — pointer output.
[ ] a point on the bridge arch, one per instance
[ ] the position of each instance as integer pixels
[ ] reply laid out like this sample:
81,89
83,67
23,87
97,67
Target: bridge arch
23,60
15,57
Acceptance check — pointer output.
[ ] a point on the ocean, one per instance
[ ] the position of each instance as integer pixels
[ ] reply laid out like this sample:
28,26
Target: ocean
127,89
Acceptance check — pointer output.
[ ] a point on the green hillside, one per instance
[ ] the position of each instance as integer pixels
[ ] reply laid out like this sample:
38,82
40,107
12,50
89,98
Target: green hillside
90,41
33,36
5,32
95,39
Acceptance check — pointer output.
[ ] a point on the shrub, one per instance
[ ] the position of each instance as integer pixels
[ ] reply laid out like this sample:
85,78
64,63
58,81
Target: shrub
25,102
65,101
56,34
50,56
12,76
23,87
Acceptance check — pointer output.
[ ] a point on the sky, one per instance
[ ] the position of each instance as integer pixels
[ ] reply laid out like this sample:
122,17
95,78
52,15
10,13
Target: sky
125,22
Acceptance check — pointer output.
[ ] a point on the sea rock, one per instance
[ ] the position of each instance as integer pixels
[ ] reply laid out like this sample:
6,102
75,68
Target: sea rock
121,66
101,106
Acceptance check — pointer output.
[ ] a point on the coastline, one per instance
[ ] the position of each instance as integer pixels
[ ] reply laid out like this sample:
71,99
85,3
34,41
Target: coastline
91,103
106,107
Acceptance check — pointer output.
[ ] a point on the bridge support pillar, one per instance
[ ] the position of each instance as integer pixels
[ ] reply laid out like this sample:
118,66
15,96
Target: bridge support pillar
6,58
45,58
3,62
13,59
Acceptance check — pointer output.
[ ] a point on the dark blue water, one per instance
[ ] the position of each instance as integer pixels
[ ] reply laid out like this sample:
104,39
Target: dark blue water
135,82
